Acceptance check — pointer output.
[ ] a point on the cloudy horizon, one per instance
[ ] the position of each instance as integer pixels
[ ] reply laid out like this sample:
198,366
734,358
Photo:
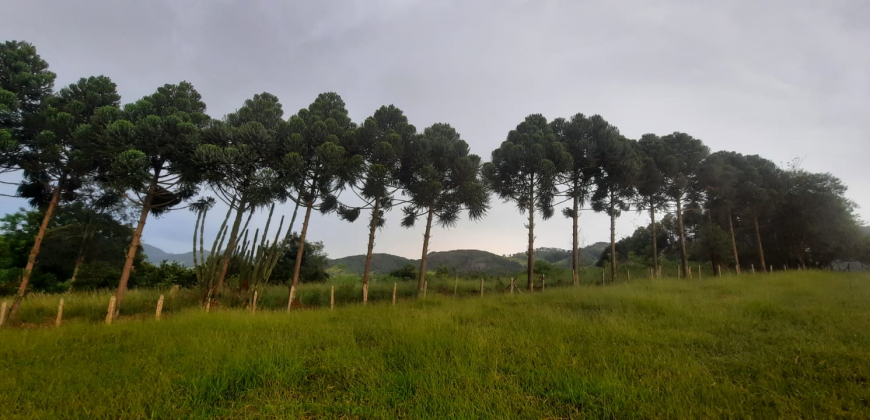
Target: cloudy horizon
783,79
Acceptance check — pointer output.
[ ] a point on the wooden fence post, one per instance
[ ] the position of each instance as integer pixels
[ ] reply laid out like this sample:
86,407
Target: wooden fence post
254,302
628,275
753,268
512,290
699,271
59,313
2,313
481,287
292,296
332,297
456,285
395,285
425,288
111,310
543,282
720,270
365,293
159,310
602,277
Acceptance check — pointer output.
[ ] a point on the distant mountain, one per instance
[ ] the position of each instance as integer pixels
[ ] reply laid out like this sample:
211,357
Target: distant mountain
472,260
156,255
562,257
381,263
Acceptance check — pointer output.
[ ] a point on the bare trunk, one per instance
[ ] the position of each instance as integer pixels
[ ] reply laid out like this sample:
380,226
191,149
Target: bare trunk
531,254
86,238
612,243
231,246
684,257
298,266
373,226
421,279
652,217
134,245
733,242
79,261
34,252
758,240
575,254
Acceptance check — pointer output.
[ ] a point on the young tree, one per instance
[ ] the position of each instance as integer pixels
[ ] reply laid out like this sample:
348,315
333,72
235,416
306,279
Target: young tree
577,136
441,179
525,169
682,159
614,182
25,82
381,140
62,157
650,186
241,159
322,164
157,139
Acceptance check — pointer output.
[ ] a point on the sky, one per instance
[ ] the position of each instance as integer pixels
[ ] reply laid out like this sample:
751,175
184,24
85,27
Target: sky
785,79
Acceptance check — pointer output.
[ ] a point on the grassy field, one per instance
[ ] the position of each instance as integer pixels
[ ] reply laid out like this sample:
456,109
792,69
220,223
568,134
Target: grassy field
788,345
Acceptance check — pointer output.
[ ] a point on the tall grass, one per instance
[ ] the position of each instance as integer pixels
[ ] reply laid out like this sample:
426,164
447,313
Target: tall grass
789,345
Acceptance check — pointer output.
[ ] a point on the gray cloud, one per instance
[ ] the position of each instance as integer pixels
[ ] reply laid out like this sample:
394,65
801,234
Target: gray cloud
783,79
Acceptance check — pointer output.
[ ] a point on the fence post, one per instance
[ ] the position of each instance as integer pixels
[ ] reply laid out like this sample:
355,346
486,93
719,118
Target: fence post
160,307
602,277
332,297
292,296
753,268
512,290
2,313
481,287
425,288
111,310
456,285
254,302
699,271
628,275
395,285
59,313
543,282
365,293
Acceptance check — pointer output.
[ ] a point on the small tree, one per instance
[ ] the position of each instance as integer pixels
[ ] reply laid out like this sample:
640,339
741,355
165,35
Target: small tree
157,139
62,157
525,169
441,179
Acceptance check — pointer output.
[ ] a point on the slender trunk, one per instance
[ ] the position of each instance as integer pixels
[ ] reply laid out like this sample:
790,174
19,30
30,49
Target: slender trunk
34,252
575,254
758,240
733,242
86,238
79,261
134,245
298,266
531,254
652,216
684,257
421,279
373,226
231,246
612,242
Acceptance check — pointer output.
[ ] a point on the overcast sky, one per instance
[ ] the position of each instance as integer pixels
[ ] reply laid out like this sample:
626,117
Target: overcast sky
784,79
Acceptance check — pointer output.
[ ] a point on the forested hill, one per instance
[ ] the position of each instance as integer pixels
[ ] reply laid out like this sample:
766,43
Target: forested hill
381,263
464,260
156,256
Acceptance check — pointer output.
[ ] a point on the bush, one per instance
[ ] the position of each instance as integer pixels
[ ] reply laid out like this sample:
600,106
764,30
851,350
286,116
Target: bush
407,272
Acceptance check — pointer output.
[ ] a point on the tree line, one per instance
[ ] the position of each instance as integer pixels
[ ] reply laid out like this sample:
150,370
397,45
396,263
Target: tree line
79,146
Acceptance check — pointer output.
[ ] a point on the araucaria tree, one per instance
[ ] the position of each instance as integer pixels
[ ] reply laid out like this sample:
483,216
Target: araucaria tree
525,169
719,175
576,135
157,140
441,179
680,165
650,186
241,159
62,156
322,164
615,180
757,193
381,140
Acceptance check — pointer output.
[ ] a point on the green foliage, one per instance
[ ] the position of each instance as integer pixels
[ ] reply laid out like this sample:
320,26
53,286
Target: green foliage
164,274
408,271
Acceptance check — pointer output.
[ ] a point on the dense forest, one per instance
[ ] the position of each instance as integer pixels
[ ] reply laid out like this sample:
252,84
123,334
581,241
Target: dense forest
94,171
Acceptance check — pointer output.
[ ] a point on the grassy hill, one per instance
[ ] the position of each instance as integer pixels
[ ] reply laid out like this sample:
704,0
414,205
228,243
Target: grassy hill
472,260
791,346
381,263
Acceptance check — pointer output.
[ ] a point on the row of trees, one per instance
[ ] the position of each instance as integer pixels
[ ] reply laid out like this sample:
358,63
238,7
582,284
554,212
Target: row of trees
158,153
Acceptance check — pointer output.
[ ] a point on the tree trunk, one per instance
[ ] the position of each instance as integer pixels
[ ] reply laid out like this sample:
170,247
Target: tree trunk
531,254
684,257
231,246
652,216
733,242
373,226
612,242
575,253
34,252
421,278
134,245
758,240
86,238
79,261
298,266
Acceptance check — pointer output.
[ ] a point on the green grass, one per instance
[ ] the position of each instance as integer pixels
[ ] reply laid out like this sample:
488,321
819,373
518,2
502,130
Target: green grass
788,345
